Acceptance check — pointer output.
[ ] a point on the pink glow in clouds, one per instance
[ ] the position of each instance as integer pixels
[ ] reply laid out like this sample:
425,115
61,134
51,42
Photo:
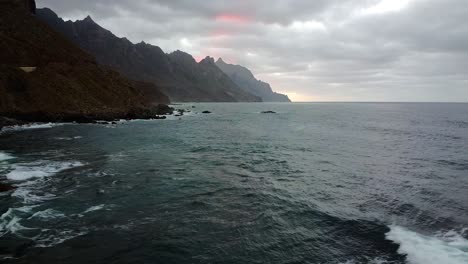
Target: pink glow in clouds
232,18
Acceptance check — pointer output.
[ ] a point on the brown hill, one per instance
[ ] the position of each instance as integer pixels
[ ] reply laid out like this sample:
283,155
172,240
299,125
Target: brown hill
63,82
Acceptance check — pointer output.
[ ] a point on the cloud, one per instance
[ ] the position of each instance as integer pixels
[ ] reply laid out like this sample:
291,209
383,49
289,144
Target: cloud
358,50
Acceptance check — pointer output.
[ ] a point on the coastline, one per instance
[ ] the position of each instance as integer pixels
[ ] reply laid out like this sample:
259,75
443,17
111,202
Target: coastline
22,119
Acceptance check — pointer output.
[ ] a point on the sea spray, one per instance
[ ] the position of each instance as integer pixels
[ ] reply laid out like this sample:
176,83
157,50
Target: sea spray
446,248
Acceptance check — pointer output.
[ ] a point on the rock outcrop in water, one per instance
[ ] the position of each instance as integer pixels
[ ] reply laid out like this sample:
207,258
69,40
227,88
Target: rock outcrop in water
178,74
67,83
245,79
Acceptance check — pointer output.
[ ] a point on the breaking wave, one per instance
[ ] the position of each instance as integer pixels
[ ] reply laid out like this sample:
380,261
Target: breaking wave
30,189
39,169
5,156
448,248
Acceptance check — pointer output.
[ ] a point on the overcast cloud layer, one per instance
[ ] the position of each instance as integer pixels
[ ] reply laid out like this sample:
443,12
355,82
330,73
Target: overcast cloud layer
312,50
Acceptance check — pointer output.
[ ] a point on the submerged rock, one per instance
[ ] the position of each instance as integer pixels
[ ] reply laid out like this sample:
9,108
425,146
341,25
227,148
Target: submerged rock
268,112
206,112
6,187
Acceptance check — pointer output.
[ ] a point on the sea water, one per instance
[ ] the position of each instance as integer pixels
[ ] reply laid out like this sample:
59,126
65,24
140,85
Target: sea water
313,183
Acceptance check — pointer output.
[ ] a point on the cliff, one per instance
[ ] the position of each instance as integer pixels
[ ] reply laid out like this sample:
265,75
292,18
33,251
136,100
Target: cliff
62,82
177,74
245,79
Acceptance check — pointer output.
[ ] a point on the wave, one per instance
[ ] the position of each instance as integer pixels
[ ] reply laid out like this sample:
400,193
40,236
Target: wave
370,261
68,138
30,126
448,248
39,169
10,223
48,214
5,156
94,208
52,237
10,220
31,180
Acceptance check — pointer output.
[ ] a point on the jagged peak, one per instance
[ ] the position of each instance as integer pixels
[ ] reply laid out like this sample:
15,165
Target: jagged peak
220,60
183,54
88,19
179,52
208,59
179,55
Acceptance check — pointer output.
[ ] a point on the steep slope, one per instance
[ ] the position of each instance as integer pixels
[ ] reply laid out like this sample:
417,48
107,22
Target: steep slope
64,82
208,76
244,78
178,74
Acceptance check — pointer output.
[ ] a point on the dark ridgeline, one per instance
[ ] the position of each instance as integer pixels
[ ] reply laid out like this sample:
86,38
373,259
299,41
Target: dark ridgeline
62,82
245,79
178,74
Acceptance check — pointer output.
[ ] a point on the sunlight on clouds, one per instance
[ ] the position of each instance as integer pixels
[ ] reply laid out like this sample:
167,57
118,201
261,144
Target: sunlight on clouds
184,42
308,25
386,6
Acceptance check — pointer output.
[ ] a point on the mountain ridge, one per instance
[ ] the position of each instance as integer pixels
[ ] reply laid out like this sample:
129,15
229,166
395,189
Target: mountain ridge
175,73
245,79
44,77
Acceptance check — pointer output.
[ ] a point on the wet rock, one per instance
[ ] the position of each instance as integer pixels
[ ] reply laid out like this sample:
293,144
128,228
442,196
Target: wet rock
5,122
163,109
206,112
6,187
268,112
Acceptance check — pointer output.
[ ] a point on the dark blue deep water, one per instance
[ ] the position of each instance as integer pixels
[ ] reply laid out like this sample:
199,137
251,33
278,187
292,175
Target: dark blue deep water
314,183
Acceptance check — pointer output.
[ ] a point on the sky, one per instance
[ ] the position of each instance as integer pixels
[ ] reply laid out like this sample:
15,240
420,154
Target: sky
311,50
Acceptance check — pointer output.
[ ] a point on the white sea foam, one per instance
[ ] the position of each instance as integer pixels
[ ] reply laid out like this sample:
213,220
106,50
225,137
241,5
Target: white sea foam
51,238
10,223
40,169
94,208
10,220
68,138
370,261
32,195
447,248
48,214
5,156
31,126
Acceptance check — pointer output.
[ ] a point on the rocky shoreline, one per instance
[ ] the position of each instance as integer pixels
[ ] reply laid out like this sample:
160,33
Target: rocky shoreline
20,119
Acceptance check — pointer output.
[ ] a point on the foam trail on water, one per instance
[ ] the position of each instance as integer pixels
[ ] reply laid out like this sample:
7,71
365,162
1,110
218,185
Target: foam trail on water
40,169
447,248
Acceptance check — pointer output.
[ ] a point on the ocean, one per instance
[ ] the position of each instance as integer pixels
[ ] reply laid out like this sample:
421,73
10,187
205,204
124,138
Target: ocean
339,183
